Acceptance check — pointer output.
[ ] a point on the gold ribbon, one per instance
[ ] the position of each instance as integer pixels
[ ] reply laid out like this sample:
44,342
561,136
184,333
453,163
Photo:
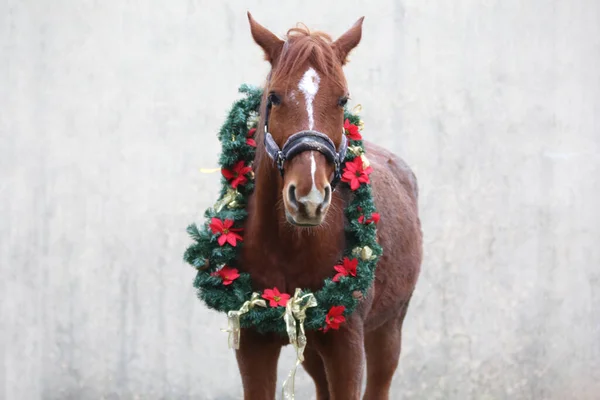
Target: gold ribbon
365,161
356,110
228,199
365,253
296,311
356,150
233,319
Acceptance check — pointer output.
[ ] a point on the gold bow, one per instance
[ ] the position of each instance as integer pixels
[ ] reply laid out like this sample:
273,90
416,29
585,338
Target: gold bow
356,150
365,253
295,310
228,199
233,319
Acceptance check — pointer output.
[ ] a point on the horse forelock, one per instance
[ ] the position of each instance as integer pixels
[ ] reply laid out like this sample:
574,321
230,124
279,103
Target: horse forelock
303,47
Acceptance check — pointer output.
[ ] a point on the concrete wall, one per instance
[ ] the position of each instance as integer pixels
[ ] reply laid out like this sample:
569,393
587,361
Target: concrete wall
109,108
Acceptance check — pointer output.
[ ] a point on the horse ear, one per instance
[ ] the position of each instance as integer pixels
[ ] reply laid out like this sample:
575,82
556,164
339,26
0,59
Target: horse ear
348,41
266,39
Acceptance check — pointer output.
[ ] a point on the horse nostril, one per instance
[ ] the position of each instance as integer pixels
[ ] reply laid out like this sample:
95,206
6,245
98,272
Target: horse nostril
327,198
292,195
325,201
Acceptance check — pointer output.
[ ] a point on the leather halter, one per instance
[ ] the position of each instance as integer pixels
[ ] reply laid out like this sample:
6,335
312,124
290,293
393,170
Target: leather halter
307,140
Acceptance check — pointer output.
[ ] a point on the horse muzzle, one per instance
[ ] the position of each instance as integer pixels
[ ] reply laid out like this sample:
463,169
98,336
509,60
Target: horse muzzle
308,210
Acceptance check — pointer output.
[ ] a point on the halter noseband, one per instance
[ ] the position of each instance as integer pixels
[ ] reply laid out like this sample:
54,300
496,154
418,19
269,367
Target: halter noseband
308,140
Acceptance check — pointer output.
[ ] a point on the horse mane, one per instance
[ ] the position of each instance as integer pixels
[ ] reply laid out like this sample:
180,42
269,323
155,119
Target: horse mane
303,46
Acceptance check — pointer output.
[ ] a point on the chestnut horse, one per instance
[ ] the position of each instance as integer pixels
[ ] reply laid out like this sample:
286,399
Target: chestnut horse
294,233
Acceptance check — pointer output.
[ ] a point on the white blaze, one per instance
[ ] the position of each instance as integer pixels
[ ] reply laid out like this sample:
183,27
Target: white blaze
314,196
309,86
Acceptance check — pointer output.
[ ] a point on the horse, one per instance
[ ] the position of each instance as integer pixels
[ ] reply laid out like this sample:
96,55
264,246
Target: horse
294,232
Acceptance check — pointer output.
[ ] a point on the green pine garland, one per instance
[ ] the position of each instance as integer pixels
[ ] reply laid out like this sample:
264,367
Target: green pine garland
208,256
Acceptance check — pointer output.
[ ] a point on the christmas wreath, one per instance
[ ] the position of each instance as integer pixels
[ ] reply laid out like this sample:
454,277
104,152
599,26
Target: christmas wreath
221,282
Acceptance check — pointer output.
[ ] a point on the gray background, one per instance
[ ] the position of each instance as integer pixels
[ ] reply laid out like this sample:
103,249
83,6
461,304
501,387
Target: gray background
108,109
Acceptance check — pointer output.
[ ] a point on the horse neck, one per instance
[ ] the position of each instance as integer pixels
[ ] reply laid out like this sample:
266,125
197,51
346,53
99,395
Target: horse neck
267,193
297,253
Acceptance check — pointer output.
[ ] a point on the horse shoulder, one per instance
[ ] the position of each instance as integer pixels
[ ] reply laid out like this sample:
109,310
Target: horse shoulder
395,193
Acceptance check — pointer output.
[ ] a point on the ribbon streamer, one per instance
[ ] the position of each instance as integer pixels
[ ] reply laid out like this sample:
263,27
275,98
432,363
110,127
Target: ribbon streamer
365,161
233,319
209,170
295,311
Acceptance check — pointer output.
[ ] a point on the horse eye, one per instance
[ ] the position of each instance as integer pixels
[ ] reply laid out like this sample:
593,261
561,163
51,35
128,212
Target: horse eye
274,99
343,101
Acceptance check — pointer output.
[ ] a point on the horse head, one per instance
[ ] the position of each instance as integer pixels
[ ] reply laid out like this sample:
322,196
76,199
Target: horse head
306,92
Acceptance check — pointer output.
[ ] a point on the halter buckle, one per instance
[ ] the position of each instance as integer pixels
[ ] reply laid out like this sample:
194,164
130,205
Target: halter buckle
337,174
280,160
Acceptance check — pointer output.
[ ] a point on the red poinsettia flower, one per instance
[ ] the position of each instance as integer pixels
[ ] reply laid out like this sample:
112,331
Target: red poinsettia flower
348,267
334,317
227,233
275,298
227,274
374,218
351,130
250,138
237,174
355,173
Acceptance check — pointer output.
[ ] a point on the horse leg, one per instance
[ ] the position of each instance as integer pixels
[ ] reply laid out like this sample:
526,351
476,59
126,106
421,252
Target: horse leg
313,364
342,353
383,352
257,361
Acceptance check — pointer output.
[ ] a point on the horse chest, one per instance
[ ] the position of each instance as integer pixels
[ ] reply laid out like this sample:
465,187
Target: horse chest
287,268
